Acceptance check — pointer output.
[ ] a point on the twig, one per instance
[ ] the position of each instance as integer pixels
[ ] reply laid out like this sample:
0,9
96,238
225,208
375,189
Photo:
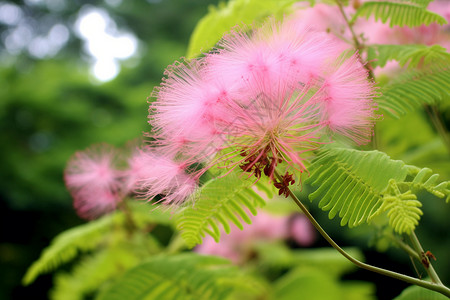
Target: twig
440,288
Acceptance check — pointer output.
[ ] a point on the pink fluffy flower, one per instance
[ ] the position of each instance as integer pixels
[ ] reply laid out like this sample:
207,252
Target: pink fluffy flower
348,106
292,87
152,174
187,109
93,182
263,99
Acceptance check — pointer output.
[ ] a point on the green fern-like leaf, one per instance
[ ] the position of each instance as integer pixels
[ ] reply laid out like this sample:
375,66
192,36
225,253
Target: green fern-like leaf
414,89
424,179
92,272
221,201
402,13
361,185
403,208
412,55
350,182
86,237
184,276
68,244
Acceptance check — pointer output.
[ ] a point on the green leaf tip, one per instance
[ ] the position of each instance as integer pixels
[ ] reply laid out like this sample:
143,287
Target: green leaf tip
222,201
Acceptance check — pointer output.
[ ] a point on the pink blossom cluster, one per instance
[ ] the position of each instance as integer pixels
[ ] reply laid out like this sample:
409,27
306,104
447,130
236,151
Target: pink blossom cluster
99,178
239,245
93,181
262,98
260,102
327,18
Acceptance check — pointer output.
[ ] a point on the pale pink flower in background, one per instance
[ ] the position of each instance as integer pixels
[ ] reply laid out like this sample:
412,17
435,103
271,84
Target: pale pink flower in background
424,34
302,231
327,18
239,245
152,174
94,183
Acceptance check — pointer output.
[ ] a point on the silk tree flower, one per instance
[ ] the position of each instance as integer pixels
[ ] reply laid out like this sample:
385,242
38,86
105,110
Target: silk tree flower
187,109
93,181
293,88
347,105
262,99
152,174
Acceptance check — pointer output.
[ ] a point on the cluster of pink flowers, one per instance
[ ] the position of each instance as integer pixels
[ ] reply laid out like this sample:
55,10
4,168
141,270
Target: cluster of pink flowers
327,18
93,181
263,98
99,178
260,102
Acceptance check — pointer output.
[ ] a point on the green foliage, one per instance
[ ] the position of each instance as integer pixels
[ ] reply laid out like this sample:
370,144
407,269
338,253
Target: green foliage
400,199
360,185
89,236
183,276
412,55
317,284
221,19
92,271
418,293
351,182
278,255
424,179
49,112
68,244
413,139
313,273
221,201
403,208
402,12
415,88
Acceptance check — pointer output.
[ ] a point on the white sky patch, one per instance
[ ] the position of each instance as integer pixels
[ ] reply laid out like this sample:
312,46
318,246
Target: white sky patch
49,45
105,70
104,42
18,38
113,2
10,14
55,5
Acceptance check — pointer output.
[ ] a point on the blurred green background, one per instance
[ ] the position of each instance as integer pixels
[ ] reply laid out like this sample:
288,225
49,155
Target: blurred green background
52,104
55,99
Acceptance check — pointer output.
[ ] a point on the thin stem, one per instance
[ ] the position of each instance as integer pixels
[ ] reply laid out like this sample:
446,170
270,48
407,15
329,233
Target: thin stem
405,247
129,221
375,142
424,259
438,124
344,15
425,284
358,45
415,268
